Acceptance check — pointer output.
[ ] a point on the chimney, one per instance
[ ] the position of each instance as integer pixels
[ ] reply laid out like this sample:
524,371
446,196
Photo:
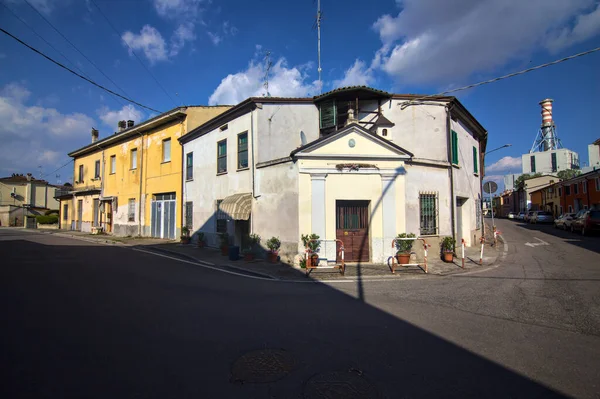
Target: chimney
121,126
95,134
130,123
547,112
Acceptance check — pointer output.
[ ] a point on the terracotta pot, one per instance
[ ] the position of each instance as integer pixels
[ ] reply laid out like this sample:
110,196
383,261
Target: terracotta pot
403,259
273,257
248,257
200,244
185,240
448,256
225,250
314,260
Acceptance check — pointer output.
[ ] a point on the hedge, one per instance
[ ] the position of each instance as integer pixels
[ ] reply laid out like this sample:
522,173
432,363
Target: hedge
47,219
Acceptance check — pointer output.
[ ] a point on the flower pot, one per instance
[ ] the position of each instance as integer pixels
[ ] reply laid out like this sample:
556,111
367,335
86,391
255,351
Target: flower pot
273,257
224,250
403,259
248,257
200,244
314,260
448,256
185,240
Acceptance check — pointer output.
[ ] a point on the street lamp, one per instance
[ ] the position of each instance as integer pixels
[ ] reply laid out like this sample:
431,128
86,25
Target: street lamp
499,148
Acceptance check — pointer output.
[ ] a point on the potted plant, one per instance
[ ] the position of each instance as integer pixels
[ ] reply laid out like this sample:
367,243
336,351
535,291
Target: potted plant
248,254
447,247
273,244
224,243
185,235
403,248
201,242
311,241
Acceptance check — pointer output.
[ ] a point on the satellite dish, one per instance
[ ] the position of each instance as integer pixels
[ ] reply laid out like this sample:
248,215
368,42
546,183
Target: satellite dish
490,187
302,138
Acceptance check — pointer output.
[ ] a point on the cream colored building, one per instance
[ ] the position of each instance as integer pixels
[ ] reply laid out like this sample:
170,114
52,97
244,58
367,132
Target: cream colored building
355,164
22,195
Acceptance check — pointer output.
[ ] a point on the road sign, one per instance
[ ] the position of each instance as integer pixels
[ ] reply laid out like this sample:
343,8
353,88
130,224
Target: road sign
490,187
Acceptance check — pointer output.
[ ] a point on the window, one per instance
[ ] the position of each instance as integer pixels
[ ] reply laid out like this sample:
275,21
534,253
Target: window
384,132
80,180
532,161
567,190
97,170
113,164
166,150
243,150
327,114
428,212
584,186
221,219
222,156
561,210
576,188
189,214
560,192
189,166
597,183
554,167
454,148
131,210
133,159
570,209
65,212
475,160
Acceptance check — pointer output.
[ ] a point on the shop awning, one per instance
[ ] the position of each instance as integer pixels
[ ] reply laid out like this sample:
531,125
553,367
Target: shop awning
237,206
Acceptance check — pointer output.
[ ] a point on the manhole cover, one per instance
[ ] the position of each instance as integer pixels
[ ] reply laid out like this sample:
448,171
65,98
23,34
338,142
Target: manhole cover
339,384
265,365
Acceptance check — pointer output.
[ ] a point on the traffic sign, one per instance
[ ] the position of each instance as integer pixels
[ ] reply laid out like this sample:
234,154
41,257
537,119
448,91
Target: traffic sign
490,187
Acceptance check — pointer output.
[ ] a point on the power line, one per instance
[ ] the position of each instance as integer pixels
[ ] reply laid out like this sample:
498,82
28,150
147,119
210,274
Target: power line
134,53
75,73
75,47
56,170
510,75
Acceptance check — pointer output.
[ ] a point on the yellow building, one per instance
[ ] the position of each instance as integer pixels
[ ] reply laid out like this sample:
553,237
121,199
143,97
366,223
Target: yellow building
129,184
24,195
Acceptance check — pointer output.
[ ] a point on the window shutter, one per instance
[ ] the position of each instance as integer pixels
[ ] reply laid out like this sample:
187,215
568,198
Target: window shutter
475,170
328,114
454,148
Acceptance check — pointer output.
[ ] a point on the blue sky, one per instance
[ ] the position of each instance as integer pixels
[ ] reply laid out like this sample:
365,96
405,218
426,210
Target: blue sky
211,52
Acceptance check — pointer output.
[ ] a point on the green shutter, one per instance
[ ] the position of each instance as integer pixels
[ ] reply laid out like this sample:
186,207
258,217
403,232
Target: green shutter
475,160
327,114
454,148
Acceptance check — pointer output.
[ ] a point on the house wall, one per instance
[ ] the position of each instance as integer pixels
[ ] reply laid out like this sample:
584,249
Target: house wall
589,199
594,156
565,159
88,182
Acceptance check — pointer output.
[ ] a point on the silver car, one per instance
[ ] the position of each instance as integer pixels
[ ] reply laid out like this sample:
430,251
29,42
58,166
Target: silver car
564,221
541,217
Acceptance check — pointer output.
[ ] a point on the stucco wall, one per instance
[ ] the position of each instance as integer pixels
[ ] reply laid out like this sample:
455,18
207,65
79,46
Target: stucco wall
543,161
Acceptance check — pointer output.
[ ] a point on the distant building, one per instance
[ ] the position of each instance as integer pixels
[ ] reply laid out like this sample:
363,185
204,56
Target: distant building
509,180
593,157
551,161
24,195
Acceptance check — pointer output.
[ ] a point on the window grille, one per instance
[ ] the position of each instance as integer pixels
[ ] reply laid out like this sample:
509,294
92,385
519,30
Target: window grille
428,213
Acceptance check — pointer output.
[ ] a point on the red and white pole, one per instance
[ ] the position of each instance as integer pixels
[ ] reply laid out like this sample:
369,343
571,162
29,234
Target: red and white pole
462,245
481,254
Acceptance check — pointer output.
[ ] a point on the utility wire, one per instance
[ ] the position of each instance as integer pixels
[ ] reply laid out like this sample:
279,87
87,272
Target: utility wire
510,75
134,53
76,74
56,170
75,47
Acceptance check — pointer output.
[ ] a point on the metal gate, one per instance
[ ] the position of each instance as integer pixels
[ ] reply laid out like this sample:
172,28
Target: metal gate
163,216
352,228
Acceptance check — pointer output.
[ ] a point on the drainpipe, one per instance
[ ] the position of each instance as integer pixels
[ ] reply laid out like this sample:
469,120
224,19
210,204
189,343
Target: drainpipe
141,180
252,171
450,169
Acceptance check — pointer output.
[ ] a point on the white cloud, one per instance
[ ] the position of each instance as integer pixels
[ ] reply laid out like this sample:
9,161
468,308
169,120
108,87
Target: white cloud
184,33
176,9
357,75
586,26
505,164
150,41
214,38
440,41
35,135
283,82
112,117
227,30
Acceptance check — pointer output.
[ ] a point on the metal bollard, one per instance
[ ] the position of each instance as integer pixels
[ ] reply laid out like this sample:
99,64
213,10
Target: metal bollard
462,244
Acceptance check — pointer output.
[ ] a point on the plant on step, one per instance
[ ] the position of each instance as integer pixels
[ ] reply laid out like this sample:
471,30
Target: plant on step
302,263
311,241
448,244
185,231
404,246
200,236
273,244
253,239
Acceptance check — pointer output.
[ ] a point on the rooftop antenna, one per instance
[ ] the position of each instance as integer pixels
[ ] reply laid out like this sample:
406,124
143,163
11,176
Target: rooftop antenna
58,178
318,23
268,65
40,169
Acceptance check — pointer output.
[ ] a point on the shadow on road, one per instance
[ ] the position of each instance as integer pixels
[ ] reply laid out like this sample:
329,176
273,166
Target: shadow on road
591,243
100,321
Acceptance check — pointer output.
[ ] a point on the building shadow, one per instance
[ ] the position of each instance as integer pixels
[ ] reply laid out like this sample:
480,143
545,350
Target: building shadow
589,242
94,321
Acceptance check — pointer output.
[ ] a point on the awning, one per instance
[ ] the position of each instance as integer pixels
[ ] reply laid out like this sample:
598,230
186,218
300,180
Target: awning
237,206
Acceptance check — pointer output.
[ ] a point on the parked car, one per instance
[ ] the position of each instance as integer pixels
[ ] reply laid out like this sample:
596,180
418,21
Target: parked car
521,216
564,221
542,217
586,222
528,216
512,215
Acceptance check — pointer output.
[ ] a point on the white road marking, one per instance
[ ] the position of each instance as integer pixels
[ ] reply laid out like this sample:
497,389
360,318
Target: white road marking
535,244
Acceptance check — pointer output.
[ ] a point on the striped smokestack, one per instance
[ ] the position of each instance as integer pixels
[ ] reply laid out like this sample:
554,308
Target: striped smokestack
547,112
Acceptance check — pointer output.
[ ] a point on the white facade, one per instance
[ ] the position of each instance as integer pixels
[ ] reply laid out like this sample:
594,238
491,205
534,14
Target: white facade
296,183
552,161
593,157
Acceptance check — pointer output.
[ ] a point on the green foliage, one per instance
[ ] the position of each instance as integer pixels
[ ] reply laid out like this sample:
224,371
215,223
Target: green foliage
47,219
200,236
185,231
303,263
51,212
448,244
525,176
314,245
404,246
254,239
273,244
568,174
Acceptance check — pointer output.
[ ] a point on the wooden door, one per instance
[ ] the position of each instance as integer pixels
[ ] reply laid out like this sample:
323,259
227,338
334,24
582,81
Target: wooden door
352,228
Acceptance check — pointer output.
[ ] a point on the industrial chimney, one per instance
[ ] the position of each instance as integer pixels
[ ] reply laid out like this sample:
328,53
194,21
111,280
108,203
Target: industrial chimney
130,123
95,134
121,126
548,128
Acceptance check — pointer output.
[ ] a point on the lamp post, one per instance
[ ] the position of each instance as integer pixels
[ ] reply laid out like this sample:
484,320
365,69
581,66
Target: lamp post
499,148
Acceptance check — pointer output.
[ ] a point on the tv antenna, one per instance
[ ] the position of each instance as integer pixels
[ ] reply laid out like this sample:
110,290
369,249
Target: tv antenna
40,169
268,65
318,25
58,178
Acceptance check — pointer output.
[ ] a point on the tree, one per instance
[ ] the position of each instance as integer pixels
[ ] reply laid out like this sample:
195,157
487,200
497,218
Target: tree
568,174
525,176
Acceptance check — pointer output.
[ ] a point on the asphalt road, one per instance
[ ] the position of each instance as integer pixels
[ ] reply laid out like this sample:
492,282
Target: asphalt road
95,321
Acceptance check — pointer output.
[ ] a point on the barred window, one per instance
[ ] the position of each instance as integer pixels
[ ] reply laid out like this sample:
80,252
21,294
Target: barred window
131,210
189,215
428,213
478,213
221,219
